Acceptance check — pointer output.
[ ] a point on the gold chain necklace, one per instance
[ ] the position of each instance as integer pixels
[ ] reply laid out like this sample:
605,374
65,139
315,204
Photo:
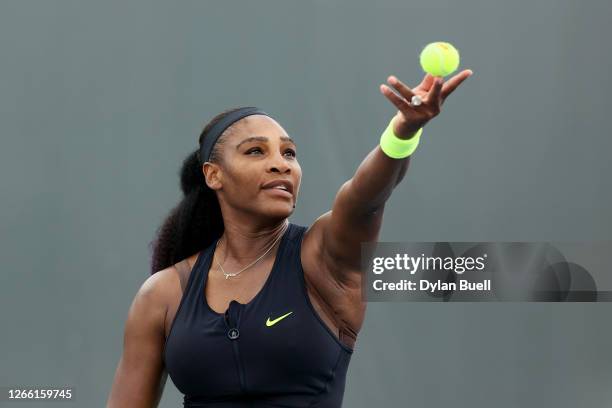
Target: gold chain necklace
227,275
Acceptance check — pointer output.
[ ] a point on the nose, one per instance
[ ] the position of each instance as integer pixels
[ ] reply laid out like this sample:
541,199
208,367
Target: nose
278,164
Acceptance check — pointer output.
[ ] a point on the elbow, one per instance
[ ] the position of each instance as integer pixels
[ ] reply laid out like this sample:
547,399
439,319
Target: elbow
362,200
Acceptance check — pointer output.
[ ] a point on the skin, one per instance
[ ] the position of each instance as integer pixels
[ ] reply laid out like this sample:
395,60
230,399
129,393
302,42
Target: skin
254,218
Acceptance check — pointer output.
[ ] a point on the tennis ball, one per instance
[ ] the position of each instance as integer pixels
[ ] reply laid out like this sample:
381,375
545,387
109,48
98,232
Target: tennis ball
439,58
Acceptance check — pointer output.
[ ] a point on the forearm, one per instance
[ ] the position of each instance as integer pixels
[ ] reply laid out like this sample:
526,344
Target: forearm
375,179
378,174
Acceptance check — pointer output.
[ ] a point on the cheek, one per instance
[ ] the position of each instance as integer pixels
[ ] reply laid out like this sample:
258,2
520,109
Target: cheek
247,185
243,181
298,175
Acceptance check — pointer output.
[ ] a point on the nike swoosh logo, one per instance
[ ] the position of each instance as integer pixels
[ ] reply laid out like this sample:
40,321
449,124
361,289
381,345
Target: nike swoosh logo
278,319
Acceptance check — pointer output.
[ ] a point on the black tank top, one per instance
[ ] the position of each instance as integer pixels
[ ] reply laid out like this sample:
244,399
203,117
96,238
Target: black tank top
274,351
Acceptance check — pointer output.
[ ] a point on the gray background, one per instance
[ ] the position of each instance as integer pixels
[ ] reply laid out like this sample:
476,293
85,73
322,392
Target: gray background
101,101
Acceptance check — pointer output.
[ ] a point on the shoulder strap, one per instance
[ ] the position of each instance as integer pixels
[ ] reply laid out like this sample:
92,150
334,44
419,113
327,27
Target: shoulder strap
183,271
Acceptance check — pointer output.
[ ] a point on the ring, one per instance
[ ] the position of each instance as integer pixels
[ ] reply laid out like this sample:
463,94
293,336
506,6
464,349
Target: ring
416,100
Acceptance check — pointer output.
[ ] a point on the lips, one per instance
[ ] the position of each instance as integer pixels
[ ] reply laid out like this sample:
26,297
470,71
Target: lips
277,184
279,192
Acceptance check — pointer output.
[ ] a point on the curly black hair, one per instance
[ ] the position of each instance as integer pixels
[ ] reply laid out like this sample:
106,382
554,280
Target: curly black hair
196,221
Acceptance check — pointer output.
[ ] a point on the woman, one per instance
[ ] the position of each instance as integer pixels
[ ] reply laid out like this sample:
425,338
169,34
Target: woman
243,307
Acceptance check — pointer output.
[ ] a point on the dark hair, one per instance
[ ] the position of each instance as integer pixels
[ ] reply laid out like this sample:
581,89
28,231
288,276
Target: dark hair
196,220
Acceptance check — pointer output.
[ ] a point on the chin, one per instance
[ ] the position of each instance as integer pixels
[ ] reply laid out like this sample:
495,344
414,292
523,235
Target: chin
278,209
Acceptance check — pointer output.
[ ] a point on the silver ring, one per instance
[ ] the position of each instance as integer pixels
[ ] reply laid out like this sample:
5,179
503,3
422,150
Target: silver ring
416,100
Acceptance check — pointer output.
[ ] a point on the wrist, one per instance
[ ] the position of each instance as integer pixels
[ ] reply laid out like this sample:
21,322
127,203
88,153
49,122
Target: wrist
410,136
410,133
398,148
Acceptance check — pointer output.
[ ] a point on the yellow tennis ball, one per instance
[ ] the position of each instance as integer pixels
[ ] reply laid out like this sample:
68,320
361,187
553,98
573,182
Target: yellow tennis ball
439,58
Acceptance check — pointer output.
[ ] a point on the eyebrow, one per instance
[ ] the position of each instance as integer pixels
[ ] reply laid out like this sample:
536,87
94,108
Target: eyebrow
263,139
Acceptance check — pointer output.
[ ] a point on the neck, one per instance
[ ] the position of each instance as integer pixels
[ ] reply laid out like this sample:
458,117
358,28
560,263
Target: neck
243,243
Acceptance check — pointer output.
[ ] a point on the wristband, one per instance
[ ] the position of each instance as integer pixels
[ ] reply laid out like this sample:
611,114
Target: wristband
395,147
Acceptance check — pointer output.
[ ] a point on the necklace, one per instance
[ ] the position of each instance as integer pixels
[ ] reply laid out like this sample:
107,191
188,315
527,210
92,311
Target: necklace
227,275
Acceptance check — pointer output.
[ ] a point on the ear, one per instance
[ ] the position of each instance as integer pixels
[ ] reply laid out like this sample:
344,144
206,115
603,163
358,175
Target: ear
212,175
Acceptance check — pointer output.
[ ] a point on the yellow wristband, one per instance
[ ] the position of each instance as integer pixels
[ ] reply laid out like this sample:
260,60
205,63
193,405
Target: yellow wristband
395,147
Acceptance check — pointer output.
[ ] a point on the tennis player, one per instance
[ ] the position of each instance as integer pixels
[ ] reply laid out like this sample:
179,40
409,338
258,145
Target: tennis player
244,308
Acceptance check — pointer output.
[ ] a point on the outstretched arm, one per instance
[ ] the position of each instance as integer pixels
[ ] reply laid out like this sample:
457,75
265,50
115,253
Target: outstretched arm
357,210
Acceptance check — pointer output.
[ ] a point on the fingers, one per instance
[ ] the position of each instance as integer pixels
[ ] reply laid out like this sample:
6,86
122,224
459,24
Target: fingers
426,83
436,91
433,97
399,102
401,87
454,82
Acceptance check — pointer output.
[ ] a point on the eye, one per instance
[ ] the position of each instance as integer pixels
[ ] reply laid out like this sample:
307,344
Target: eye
253,150
292,152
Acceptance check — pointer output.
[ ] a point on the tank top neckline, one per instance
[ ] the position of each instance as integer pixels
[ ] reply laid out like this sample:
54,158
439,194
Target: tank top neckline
207,266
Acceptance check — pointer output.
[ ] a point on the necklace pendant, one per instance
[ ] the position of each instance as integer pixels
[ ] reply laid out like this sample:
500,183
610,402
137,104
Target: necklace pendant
227,275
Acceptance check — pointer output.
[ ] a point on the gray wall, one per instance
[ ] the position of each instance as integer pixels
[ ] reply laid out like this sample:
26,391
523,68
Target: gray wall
101,101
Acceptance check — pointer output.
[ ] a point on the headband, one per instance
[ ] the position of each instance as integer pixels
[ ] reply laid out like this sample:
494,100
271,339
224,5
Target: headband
213,134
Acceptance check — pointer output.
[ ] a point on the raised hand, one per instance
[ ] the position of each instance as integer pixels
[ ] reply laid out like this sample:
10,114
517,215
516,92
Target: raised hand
433,92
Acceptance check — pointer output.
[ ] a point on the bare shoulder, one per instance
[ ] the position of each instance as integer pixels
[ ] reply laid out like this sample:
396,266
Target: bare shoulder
317,261
312,252
164,286
159,287
171,283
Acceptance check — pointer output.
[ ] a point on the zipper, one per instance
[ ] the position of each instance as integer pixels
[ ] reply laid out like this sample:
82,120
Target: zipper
239,367
239,364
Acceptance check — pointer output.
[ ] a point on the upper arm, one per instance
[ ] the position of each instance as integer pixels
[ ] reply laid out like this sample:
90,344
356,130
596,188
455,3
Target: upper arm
341,231
140,375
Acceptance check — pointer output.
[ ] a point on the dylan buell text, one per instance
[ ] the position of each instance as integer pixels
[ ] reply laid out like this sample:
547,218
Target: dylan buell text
431,286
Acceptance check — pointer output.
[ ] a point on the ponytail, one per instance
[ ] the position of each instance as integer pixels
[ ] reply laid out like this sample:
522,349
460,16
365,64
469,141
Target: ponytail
196,221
